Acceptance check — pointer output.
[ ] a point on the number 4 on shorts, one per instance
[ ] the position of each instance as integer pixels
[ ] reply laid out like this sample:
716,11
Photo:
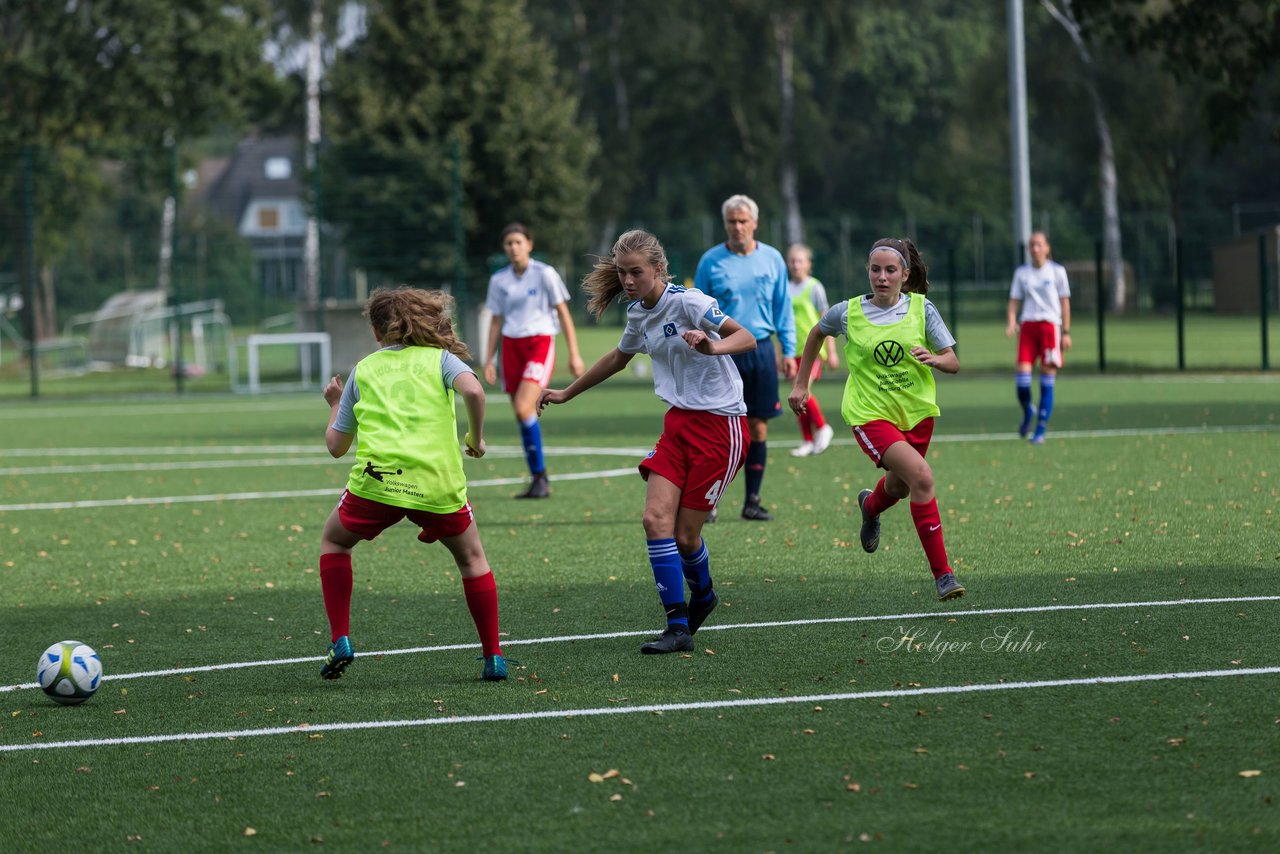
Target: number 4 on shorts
713,494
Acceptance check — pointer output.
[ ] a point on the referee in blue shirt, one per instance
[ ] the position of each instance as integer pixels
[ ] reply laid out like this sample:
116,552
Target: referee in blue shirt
749,280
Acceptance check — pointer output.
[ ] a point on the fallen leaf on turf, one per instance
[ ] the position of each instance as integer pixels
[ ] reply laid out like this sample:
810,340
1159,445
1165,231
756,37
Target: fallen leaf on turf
249,831
922,750
1176,741
322,794
808,731
1030,775
853,787
593,777
910,785
768,757
610,774
709,651
84,769
615,678
615,797
1251,773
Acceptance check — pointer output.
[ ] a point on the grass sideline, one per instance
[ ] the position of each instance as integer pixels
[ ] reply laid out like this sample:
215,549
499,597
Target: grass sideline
1151,490
1212,343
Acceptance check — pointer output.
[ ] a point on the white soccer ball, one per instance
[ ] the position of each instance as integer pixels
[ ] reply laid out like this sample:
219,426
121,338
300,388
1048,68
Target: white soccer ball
69,672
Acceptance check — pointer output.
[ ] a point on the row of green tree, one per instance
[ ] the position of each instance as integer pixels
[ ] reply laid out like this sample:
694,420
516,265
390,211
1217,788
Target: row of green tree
445,119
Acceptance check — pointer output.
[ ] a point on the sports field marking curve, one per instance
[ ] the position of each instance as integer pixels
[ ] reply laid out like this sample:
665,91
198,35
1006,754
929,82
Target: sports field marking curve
768,624
695,705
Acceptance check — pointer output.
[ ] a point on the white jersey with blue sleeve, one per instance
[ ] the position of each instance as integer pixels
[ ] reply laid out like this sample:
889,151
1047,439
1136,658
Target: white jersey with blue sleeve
683,377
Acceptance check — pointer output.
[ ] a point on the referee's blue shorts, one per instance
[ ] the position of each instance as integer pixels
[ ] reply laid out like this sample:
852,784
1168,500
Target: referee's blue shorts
759,370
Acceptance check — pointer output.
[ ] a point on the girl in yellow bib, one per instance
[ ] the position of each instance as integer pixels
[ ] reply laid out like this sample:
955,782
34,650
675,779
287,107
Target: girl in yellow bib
408,465
894,339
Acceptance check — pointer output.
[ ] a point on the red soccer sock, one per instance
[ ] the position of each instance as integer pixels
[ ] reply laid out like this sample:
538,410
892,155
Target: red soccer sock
482,601
814,412
335,583
880,500
929,527
805,421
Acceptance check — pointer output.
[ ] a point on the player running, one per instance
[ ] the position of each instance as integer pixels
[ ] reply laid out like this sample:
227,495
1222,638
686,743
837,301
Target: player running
894,338
704,433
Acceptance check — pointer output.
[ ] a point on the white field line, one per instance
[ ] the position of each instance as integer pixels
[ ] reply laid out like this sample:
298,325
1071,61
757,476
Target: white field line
658,708
501,451
769,624
332,492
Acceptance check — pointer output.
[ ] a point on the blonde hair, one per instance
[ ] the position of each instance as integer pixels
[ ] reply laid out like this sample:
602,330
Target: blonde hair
603,283
414,318
918,281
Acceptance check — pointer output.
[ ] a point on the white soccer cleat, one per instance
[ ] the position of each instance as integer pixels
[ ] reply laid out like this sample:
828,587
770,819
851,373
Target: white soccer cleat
822,439
803,450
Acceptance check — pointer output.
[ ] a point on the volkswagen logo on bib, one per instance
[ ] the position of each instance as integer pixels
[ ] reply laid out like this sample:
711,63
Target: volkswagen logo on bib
888,353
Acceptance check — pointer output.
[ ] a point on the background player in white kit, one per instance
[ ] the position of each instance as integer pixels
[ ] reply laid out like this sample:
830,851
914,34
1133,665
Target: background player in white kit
1041,291
529,301
704,434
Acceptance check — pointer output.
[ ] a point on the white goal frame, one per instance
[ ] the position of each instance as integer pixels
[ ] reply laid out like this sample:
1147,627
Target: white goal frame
304,341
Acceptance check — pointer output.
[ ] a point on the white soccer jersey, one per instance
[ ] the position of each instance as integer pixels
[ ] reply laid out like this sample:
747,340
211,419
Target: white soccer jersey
682,376
527,303
1041,290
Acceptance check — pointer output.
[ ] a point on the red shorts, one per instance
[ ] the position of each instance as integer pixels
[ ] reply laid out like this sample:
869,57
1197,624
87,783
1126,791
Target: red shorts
529,359
875,437
367,519
700,452
1039,339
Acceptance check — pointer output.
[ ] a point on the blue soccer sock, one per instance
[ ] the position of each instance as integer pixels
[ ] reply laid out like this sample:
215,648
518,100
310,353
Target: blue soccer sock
531,436
697,572
667,576
1022,382
757,454
1046,401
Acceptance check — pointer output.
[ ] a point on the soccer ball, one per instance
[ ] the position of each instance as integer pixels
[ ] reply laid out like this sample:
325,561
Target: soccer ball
69,672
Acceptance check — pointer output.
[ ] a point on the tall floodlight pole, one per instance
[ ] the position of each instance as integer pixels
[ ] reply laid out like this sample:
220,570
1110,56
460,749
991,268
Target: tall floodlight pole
1019,159
311,247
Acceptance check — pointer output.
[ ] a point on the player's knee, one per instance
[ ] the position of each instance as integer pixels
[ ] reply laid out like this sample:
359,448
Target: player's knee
656,524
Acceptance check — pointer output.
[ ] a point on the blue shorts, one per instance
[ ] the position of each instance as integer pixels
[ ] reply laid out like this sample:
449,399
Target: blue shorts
759,370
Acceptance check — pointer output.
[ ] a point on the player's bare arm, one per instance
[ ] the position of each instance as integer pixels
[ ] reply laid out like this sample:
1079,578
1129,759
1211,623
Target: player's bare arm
608,365
944,360
799,396
735,339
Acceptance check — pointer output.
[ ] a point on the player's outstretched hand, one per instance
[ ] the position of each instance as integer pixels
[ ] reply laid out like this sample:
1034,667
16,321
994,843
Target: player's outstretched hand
550,395
798,400
333,390
490,373
474,448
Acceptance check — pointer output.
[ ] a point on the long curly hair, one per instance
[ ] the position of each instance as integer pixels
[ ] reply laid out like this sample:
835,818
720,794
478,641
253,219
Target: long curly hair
602,284
415,318
918,281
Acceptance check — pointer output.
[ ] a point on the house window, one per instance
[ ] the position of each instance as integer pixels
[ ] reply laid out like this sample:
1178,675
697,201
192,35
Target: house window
268,219
278,168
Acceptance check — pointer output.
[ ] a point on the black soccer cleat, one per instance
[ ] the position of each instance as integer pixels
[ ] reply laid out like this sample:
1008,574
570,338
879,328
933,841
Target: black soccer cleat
870,533
675,639
538,487
754,512
948,587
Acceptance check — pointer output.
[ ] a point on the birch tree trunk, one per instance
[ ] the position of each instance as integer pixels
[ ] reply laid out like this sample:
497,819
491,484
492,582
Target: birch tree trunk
311,246
784,31
1108,183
